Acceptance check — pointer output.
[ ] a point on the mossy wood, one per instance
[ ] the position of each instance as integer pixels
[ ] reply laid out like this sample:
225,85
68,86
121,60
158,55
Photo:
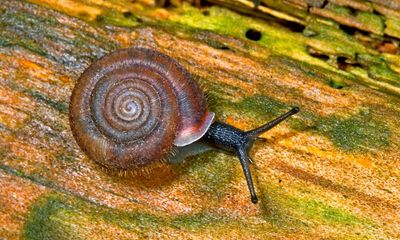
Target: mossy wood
330,172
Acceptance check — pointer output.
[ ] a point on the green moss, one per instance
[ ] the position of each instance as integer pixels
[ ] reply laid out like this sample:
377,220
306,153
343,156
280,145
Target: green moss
288,8
52,216
272,209
132,221
384,73
278,40
338,9
41,223
261,107
392,26
323,35
298,213
60,216
317,210
332,40
116,18
359,132
378,69
371,20
212,172
218,96
336,42
226,22
369,60
336,84
293,212
316,73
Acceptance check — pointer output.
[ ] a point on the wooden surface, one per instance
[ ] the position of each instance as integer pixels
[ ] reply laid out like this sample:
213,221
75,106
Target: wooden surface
331,172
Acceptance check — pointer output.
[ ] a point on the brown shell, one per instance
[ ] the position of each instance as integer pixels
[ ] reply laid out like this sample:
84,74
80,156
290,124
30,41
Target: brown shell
130,108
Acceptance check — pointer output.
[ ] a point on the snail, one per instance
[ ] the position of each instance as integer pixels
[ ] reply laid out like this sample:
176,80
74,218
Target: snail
136,106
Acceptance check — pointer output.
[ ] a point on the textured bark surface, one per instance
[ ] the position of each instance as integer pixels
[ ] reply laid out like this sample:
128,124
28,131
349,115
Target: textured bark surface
330,172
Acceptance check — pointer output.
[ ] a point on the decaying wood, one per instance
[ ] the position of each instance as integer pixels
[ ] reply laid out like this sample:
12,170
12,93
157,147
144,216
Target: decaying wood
377,17
372,25
330,172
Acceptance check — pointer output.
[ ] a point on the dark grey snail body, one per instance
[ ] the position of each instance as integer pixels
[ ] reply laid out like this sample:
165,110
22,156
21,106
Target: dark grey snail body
136,106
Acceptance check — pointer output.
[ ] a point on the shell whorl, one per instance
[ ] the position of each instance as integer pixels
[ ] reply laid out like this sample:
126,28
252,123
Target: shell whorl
130,108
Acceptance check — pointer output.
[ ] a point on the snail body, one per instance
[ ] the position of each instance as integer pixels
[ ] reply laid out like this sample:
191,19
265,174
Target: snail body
134,106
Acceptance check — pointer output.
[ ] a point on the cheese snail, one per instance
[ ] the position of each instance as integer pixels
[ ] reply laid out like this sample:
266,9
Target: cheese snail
136,106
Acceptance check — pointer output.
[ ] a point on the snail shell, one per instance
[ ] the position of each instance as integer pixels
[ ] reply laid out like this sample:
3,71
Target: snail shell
130,108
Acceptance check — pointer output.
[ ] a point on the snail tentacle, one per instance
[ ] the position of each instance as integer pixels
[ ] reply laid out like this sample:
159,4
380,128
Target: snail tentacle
263,128
244,161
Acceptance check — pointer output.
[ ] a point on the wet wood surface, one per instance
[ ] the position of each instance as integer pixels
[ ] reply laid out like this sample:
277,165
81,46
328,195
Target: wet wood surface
330,172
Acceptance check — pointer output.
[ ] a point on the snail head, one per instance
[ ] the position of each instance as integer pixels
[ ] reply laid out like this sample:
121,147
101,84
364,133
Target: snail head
229,138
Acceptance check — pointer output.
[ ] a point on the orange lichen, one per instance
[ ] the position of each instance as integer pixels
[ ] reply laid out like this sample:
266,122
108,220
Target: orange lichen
36,70
238,123
160,14
322,148
71,7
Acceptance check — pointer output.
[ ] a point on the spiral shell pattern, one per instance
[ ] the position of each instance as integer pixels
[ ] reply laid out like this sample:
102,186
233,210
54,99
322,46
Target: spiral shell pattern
130,108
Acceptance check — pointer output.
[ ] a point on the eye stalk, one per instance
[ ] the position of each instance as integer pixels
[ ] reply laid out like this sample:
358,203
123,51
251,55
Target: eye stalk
229,138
